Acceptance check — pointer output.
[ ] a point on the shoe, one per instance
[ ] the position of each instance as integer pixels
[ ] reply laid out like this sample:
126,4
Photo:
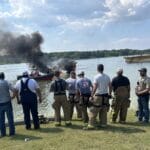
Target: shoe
36,128
28,128
113,121
85,125
57,124
145,121
103,125
68,124
89,127
122,122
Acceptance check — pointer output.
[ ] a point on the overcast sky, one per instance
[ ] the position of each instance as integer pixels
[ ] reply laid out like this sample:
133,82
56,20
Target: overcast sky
68,25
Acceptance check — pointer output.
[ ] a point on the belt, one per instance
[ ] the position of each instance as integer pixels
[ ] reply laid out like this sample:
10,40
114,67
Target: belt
59,94
103,95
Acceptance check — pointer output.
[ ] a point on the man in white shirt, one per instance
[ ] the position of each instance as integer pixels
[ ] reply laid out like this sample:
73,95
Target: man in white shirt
27,91
100,98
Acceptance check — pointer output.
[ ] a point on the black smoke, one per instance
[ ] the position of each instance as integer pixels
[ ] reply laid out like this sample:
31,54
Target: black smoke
27,47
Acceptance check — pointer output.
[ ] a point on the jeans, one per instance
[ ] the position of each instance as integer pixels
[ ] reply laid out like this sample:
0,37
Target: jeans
143,104
27,108
6,108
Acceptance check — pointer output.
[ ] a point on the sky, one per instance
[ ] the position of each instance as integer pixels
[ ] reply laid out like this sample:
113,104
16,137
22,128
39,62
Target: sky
80,25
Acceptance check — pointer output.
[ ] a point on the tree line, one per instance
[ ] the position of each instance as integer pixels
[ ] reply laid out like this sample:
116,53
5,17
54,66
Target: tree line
80,55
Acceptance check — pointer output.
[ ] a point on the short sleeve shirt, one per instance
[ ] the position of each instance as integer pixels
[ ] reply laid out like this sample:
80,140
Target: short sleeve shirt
71,85
32,85
102,81
84,85
144,83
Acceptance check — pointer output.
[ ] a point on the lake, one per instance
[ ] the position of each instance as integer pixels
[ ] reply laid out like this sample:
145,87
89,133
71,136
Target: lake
89,66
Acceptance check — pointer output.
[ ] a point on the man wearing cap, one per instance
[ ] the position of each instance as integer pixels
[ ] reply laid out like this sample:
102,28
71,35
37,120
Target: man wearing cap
84,88
143,96
74,102
59,87
121,102
6,106
100,99
27,91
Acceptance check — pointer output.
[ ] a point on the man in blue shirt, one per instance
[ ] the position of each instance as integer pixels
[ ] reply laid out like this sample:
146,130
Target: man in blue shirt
6,106
84,88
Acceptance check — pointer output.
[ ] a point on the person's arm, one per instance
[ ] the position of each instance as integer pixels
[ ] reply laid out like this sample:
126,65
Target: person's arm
109,88
146,90
94,89
38,91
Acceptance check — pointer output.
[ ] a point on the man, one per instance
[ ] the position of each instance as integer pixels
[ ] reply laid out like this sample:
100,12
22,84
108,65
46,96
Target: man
58,87
28,91
6,106
74,102
143,96
84,88
100,98
121,102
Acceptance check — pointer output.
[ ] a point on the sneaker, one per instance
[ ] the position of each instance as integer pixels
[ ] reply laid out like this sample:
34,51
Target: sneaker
122,122
89,127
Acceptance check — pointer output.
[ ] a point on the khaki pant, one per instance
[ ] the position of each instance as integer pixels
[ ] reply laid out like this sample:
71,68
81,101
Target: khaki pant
100,107
61,101
120,103
119,107
74,103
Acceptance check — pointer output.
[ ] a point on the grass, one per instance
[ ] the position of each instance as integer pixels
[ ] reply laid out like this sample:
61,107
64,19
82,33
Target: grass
131,136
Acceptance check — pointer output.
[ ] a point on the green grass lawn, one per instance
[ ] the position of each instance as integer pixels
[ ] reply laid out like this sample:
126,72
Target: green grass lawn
131,136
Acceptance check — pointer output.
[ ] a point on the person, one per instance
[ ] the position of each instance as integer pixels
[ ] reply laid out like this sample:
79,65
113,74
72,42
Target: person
74,102
35,72
99,98
6,106
84,88
143,96
137,88
58,87
121,102
28,93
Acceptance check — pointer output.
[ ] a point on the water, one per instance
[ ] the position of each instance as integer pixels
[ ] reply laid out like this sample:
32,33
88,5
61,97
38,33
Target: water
87,65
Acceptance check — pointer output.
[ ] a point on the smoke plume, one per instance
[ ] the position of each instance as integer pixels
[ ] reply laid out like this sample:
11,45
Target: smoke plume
26,47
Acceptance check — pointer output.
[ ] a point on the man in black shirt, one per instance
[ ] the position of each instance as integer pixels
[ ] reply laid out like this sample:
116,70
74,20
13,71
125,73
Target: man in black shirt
120,103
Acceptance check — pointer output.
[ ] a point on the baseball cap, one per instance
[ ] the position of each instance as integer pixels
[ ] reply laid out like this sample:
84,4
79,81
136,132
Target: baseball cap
143,70
81,73
25,73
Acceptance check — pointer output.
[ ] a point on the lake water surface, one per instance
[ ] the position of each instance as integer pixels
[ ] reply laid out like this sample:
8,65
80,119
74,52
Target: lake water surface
87,65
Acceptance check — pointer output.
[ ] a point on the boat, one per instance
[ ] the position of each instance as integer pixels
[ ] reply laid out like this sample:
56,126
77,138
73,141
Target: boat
137,58
46,77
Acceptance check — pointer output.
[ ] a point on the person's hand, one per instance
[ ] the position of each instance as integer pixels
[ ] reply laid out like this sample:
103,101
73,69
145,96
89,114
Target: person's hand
19,102
91,98
40,100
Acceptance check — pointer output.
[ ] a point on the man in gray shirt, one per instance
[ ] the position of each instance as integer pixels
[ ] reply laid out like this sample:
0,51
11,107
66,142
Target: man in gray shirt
84,88
6,106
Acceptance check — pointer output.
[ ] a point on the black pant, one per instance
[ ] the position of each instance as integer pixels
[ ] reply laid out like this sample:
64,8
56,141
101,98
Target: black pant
27,108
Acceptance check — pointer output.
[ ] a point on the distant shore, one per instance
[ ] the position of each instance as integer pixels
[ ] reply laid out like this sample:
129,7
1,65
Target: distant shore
8,59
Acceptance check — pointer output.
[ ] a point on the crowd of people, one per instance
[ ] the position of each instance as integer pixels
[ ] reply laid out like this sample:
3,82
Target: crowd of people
89,99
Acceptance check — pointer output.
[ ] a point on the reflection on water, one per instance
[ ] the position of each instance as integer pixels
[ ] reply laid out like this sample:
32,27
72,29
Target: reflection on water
89,66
